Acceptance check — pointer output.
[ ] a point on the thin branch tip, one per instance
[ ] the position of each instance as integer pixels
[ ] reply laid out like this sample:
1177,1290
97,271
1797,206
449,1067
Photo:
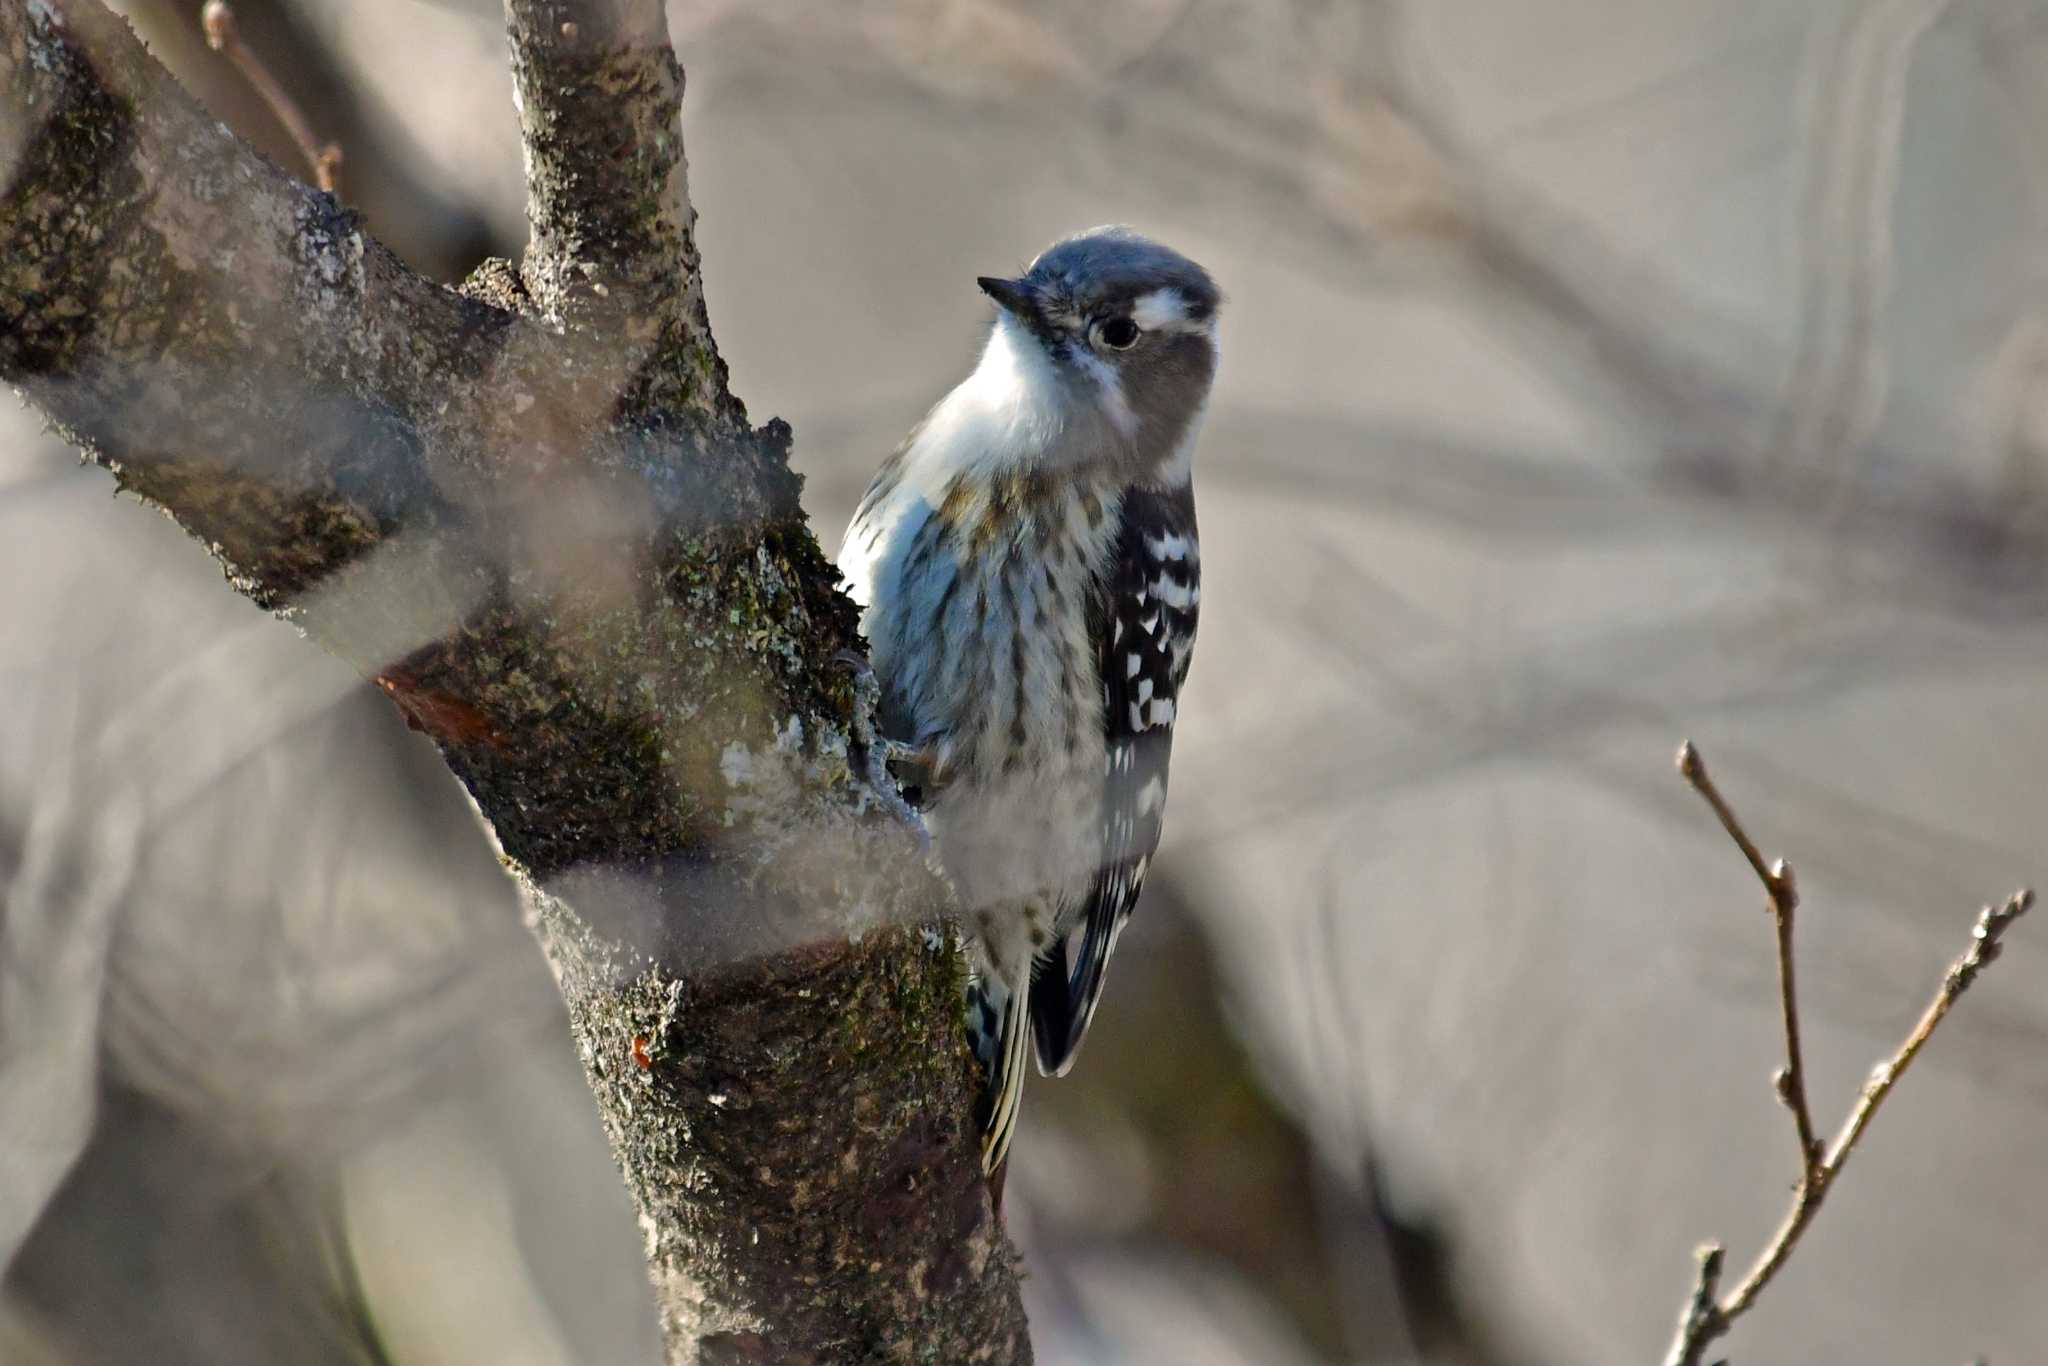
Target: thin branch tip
224,35
217,19
1777,879
1986,942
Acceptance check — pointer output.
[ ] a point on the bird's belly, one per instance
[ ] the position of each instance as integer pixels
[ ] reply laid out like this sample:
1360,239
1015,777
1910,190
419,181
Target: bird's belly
1019,841
988,659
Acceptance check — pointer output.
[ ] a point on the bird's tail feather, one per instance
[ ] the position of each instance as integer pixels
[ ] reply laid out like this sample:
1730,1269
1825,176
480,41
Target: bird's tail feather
999,1029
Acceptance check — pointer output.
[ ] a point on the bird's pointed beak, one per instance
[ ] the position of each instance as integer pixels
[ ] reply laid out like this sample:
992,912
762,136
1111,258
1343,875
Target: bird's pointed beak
1017,297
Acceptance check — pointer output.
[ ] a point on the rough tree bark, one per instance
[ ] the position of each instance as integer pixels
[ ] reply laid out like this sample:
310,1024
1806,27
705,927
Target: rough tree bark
535,514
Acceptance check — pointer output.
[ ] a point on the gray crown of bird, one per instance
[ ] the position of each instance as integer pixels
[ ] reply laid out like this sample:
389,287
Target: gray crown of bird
1028,571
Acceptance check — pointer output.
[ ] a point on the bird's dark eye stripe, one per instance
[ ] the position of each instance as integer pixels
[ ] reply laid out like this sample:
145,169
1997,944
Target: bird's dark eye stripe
1118,334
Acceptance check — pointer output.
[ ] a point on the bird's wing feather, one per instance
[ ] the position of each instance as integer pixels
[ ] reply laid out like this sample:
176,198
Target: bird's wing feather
1144,630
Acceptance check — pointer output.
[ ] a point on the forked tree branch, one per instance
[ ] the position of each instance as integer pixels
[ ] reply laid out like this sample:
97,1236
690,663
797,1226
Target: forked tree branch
536,516
1708,1314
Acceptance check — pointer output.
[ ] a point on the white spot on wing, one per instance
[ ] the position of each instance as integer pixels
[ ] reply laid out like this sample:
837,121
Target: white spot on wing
1171,546
1174,595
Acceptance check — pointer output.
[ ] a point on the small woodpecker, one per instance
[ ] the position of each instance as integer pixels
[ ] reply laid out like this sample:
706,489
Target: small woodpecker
1028,571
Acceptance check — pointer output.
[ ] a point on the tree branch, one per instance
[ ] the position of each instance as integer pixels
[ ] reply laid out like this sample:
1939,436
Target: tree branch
608,200
1708,1317
543,526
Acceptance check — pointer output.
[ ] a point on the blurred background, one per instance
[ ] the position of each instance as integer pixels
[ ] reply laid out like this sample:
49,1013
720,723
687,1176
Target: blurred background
1596,374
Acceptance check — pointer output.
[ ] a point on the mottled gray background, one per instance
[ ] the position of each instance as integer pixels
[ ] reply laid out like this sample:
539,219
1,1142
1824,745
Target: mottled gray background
1596,374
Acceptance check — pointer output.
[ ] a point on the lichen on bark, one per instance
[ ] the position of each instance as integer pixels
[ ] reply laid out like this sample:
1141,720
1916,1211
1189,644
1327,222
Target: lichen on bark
905,1264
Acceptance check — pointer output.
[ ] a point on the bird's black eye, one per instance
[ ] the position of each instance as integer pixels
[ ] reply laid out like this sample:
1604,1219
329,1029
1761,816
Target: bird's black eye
1118,334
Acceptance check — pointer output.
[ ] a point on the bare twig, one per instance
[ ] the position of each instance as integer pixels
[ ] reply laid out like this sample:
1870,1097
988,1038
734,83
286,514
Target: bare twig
217,17
1707,1318
1782,891
1985,946
1703,1310
1777,879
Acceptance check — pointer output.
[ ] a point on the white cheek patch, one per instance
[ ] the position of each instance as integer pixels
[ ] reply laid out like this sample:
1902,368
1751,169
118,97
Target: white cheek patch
1180,466
1114,404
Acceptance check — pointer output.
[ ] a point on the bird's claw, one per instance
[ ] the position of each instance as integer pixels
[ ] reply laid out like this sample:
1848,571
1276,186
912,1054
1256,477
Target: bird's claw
878,751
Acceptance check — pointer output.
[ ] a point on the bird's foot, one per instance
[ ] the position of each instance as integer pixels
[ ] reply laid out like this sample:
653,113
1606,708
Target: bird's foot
878,751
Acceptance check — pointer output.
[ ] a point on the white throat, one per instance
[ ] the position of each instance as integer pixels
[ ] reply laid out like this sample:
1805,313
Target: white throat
1013,401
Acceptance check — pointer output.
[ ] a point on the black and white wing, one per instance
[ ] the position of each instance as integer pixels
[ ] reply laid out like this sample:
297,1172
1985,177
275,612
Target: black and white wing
1144,629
